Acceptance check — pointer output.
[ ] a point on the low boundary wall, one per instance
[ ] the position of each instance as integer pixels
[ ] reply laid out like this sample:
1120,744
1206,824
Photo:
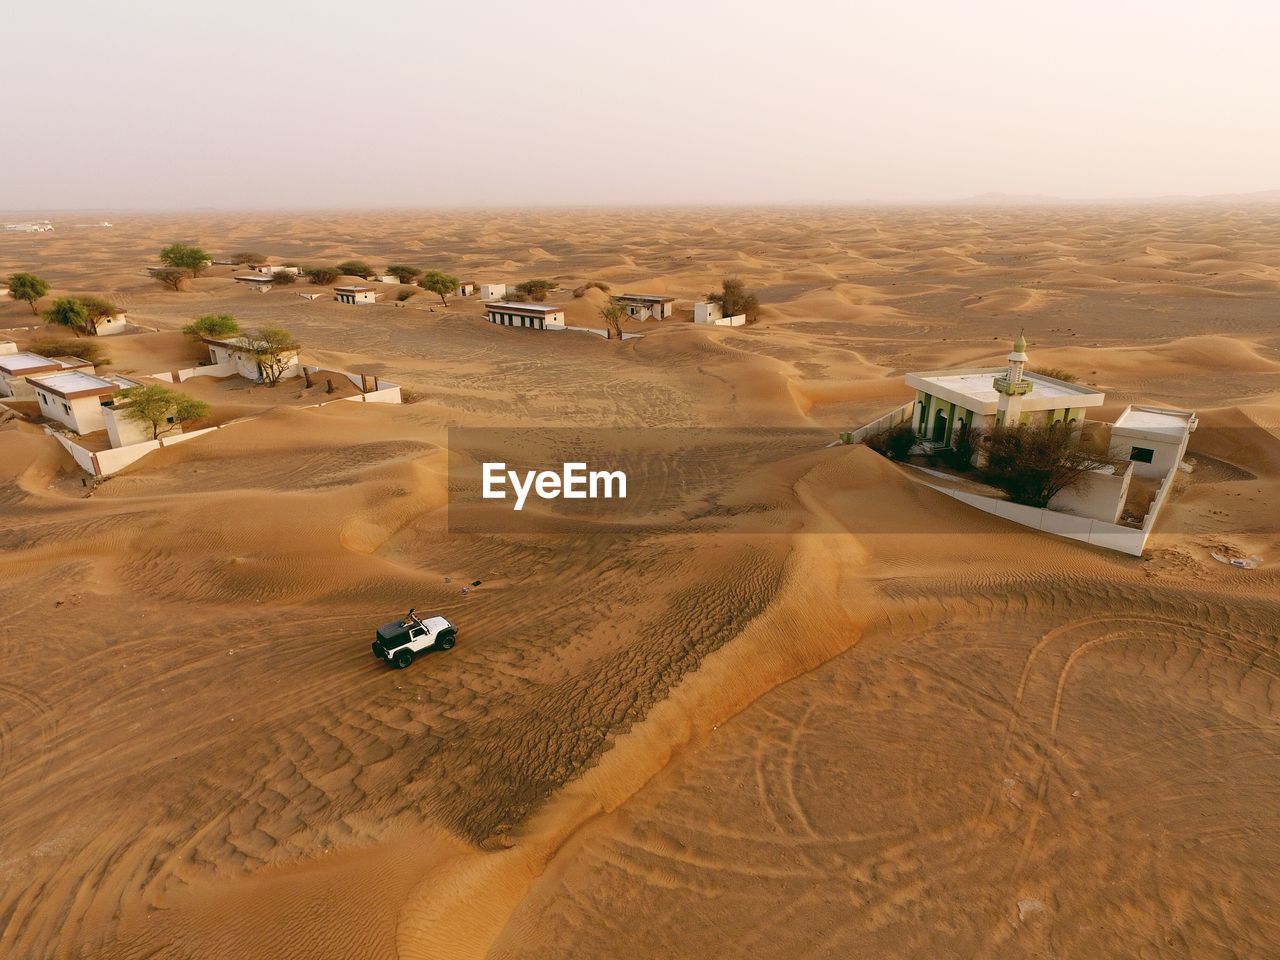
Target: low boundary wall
226,369
890,420
103,463
384,391
1112,536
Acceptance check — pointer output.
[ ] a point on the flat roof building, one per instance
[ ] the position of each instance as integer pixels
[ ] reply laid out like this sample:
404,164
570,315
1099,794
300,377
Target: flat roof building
493,291
987,396
236,357
538,316
645,306
355,294
261,282
1154,438
15,368
76,398
710,312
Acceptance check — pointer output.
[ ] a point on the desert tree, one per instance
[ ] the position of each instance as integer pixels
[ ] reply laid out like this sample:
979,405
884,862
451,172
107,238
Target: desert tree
735,299
159,409
1033,463
184,256
441,284
284,277
28,287
322,276
355,268
71,313
213,325
612,313
536,289
404,274
591,285
275,349
174,278
247,256
98,310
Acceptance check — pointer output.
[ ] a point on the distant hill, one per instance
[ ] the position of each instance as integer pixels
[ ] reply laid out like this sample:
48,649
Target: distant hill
997,199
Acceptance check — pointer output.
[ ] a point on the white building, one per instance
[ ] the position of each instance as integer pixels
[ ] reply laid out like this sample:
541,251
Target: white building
1115,506
493,291
985,396
387,278
76,399
15,368
1099,496
466,288
536,315
4,289
644,306
235,355
355,294
8,347
708,311
110,326
1146,442
260,282
1152,438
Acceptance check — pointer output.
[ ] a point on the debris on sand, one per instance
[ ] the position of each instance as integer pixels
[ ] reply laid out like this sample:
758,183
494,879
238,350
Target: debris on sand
1242,563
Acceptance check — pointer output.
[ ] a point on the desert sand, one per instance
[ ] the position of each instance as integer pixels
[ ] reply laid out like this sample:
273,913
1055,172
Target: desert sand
835,714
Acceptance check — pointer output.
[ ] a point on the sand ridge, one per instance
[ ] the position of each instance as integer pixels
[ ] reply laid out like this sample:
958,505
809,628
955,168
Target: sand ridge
879,703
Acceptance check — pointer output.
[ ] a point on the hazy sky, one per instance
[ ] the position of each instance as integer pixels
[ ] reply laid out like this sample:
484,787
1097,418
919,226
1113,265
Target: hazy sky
508,102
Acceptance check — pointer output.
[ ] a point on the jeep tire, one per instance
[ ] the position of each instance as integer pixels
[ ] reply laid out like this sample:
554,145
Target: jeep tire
402,659
447,641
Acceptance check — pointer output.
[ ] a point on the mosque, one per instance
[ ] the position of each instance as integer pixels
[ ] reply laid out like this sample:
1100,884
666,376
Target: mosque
984,397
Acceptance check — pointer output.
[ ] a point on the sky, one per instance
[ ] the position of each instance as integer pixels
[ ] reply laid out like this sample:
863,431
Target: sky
313,104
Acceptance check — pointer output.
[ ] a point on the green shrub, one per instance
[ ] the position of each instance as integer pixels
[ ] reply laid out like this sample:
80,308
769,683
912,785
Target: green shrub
356,268
213,325
90,350
322,276
894,443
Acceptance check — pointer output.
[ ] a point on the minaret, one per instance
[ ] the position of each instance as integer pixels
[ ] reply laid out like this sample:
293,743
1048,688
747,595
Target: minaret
1014,385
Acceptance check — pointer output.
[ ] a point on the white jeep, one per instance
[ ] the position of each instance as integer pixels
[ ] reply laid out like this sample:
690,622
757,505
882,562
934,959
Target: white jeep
399,641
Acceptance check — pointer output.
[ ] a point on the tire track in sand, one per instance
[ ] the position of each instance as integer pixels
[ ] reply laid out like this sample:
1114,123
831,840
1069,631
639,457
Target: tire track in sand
468,901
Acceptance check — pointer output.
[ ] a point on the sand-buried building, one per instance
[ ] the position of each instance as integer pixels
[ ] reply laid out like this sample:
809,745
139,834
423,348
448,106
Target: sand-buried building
1103,506
983,397
537,316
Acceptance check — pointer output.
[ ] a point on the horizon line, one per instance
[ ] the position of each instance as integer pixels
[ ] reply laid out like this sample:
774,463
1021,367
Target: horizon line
991,199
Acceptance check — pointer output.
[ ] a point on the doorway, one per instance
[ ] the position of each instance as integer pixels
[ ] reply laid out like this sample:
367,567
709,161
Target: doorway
939,426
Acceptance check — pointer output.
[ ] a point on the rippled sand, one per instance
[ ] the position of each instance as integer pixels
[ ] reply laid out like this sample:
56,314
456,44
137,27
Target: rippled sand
838,714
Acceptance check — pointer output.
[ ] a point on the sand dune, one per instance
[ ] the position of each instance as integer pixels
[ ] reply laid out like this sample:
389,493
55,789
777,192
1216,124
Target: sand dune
807,707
